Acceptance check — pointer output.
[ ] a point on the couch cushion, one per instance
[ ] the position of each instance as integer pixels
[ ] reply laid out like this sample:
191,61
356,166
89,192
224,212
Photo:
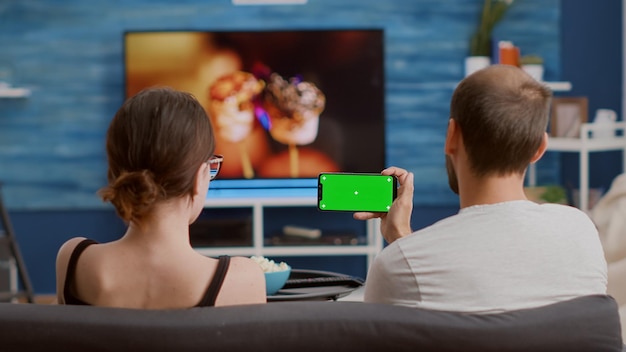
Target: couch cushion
584,324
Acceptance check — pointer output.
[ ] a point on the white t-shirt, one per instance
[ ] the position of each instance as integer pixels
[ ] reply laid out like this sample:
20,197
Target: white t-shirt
492,258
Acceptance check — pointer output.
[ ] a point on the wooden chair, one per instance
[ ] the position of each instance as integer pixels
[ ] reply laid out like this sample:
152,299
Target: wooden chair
10,247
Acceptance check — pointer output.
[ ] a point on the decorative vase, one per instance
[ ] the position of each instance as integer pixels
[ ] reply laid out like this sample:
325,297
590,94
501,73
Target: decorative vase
534,70
475,63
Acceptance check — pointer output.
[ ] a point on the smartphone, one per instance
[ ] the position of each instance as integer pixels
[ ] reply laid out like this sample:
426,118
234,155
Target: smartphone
338,191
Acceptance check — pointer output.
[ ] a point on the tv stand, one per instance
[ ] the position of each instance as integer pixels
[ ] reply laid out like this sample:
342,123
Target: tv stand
258,247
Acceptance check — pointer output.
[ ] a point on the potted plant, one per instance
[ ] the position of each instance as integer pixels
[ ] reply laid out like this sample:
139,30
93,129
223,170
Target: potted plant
533,65
480,42
546,194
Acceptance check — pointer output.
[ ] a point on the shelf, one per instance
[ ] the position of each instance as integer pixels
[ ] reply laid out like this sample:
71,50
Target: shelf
584,145
289,251
559,86
269,2
592,145
373,239
7,91
232,251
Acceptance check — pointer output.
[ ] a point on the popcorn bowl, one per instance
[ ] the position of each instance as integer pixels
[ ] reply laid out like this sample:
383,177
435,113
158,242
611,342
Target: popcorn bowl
275,280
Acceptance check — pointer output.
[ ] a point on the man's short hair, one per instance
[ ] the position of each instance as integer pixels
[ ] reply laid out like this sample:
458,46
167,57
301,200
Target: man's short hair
502,113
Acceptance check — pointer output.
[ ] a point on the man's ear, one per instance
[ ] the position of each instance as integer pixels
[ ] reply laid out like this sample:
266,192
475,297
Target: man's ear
541,150
452,137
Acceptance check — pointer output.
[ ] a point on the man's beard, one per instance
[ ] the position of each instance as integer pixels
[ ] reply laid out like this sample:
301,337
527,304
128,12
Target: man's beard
453,182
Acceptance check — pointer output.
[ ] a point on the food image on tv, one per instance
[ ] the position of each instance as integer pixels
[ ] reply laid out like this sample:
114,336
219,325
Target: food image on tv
294,109
231,105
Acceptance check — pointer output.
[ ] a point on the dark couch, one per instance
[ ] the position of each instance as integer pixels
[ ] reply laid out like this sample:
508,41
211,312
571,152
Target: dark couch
584,324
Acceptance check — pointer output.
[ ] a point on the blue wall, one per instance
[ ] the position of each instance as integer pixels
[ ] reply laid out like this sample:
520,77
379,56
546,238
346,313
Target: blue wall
69,53
592,60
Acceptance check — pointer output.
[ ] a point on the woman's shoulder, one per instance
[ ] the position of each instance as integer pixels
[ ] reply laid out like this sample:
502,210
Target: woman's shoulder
67,248
240,269
70,245
62,262
244,284
245,264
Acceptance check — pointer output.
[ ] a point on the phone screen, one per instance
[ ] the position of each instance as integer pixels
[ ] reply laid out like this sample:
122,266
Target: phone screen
355,192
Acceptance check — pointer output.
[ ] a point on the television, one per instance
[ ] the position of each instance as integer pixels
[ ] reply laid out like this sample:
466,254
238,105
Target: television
285,104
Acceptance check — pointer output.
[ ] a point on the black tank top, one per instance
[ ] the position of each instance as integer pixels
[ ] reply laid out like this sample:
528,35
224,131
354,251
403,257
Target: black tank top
208,300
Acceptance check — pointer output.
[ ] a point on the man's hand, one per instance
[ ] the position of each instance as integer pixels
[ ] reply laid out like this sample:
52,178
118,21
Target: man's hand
397,222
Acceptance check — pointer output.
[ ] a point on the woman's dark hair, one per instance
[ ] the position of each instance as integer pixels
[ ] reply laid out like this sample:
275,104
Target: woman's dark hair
502,113
155,144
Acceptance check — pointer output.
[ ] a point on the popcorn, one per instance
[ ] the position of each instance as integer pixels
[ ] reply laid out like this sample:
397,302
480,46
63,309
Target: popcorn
268,265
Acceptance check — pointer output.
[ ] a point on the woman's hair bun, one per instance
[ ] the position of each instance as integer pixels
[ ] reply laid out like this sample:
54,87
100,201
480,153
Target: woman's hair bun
133,194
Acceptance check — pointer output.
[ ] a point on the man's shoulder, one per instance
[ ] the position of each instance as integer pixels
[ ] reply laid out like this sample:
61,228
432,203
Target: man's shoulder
564,210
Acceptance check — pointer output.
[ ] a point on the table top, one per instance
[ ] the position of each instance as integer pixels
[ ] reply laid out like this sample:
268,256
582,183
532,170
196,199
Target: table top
319,293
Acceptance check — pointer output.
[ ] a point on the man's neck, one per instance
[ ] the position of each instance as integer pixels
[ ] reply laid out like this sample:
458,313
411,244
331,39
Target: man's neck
491,190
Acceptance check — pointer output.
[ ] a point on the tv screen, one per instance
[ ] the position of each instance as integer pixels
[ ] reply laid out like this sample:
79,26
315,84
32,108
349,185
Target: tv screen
285,105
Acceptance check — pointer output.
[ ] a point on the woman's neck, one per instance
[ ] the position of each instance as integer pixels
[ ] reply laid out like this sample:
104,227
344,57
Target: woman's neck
166,227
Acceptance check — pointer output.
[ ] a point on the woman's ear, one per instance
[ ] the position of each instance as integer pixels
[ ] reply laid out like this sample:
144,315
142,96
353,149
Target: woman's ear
541,150
202,178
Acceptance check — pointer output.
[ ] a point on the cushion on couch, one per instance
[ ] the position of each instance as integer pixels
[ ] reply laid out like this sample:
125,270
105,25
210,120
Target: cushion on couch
584,324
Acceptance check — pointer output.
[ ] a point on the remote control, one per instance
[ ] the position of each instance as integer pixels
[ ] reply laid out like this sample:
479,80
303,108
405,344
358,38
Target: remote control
324,281
302,232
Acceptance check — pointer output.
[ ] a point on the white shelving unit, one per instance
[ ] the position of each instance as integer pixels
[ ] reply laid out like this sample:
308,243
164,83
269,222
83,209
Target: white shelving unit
555,86
373,245
6,91
585,145
563,86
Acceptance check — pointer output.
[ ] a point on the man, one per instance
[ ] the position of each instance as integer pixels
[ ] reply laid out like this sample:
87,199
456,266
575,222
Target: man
501,251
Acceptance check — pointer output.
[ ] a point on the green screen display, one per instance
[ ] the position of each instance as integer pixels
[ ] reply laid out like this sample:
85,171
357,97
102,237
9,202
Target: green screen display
356,192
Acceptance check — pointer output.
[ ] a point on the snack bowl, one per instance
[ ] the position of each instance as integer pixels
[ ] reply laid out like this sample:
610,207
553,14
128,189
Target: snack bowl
276,274
275,280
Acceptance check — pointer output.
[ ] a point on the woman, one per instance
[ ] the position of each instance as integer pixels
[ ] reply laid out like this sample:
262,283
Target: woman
160,151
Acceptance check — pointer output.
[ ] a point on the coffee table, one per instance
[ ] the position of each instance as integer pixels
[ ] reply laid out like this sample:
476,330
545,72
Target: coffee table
317,293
